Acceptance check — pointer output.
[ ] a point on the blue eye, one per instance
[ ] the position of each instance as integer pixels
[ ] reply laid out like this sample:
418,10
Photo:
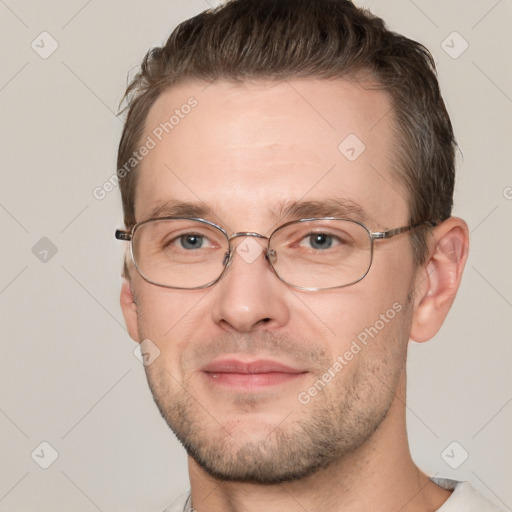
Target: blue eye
191,241
320,241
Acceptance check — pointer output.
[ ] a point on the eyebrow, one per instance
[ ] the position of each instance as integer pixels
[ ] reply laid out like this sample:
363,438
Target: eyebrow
288,210
175,208
330,207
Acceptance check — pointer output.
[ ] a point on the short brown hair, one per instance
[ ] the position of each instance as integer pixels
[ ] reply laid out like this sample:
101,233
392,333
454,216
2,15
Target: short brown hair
280,39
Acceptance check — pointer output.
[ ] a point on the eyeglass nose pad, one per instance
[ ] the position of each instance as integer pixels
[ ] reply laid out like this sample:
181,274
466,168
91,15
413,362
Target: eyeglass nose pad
271,256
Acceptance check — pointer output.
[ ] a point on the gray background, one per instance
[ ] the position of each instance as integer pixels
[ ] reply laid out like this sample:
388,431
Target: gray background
69,375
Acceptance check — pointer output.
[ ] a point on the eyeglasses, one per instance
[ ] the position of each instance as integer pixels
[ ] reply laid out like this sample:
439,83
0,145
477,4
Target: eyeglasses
307,254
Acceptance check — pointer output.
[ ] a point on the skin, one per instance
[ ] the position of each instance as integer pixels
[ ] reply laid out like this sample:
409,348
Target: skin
242,151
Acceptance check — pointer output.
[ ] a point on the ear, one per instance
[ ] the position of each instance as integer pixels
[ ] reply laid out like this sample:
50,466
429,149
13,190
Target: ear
129,308
439,279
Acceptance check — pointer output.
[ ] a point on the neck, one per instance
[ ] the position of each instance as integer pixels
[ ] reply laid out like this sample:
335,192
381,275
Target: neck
379,475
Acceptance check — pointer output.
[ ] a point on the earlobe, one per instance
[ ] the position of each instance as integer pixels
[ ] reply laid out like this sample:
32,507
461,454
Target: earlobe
440,278
129,308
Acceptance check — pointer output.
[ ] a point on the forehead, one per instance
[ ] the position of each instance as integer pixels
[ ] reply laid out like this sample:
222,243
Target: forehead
243,150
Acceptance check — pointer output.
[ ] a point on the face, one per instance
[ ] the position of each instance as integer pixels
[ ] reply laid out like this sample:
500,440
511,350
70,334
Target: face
262,382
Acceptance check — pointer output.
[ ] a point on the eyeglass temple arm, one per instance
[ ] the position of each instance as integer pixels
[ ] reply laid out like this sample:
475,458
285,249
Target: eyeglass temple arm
392,232
127,235
123,235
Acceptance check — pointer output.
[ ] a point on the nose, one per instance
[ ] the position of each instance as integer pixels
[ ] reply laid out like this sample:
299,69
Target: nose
249,296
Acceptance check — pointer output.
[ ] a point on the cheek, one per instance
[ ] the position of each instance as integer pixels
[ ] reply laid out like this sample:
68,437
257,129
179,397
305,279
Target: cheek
359,318
376,307
165,316
170,319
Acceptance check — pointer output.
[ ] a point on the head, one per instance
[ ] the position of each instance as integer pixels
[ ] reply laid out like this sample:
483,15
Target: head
264,94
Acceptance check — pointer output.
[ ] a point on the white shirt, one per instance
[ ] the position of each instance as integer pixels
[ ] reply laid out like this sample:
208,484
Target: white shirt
463,499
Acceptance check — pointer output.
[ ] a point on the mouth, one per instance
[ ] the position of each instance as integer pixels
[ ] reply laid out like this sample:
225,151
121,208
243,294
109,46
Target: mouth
250,375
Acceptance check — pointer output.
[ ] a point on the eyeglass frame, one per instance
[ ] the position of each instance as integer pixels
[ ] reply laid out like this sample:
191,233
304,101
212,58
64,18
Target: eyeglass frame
127,236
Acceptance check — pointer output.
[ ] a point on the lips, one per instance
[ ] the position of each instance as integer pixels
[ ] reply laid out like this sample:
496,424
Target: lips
250,375
258,366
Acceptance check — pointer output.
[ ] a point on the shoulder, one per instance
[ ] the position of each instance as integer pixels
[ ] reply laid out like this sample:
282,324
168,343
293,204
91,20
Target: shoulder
464,498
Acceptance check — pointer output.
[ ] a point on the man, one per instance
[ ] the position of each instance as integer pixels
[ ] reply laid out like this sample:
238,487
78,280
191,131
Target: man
287,172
